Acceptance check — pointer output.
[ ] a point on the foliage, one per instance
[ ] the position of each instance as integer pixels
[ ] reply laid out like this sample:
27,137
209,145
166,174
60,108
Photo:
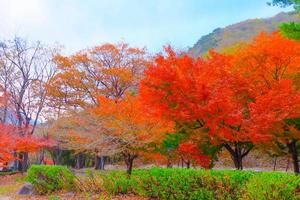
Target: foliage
217,96
130,127
215,107
203,184
12,141
292,29
109,70
272,186
46,179
190,151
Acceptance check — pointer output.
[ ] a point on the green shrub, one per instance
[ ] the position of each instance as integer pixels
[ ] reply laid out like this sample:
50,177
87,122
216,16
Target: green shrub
117,182
46,178
158,183
204,184
269,186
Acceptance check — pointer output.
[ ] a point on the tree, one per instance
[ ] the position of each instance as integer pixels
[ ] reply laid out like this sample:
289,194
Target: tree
204,153
108,70
82,133
191,153
133,128
207,94
291,29
25,68
271,63
278,112
11,142
268,59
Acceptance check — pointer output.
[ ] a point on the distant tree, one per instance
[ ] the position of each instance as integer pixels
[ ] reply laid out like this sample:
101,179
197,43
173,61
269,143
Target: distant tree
25,69
292,29
282,3
172,148
192,154
81,133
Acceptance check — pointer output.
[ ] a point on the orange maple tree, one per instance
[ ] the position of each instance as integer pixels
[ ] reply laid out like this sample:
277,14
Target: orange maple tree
271,66
207,93
190,152
131,126
12,142
277,113
268,59
226,93
109,70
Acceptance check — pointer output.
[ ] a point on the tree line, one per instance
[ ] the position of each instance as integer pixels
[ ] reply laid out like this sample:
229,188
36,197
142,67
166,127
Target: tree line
115,102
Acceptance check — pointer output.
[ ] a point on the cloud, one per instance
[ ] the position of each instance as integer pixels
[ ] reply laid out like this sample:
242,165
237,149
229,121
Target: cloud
78,24
19,15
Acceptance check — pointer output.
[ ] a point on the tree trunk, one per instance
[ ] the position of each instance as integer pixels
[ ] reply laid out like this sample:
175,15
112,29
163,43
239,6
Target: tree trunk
41,157
16,162
23,162
288,164
99,162
275,162
237,153
58,154
129,158
169,164
188,164
294,154
80,161
129,166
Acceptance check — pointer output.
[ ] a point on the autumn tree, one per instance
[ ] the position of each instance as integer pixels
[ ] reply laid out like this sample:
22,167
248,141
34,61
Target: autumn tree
278,112
109,70
191,154
25,68
175,147
205,93
133,127
271,65
82,133
11,142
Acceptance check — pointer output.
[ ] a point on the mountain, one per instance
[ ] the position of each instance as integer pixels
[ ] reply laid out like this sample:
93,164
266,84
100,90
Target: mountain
240,32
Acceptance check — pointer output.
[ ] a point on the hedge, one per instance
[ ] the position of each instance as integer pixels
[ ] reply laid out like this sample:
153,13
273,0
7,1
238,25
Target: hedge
47,178
159,183
205,184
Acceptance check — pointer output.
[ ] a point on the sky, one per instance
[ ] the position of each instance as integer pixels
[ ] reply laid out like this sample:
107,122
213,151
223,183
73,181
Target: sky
78,24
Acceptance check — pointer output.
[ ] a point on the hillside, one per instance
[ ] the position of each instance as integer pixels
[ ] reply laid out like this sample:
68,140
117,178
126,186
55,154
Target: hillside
243,31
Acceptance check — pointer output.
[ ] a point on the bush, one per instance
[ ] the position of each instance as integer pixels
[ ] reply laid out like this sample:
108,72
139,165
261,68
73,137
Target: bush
91,182
268,186
117,182
47,178
182,184
204,184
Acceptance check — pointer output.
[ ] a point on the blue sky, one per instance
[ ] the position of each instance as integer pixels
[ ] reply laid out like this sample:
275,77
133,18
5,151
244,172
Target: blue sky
77,24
